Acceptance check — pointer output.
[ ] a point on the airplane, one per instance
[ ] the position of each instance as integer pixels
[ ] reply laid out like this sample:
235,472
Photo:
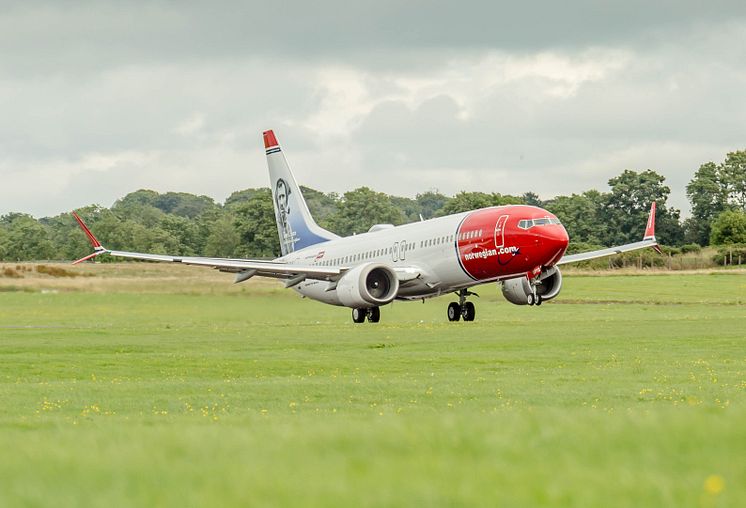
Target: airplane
520,247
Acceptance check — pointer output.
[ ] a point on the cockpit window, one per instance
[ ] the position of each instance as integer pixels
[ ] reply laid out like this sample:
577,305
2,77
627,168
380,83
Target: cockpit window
543,221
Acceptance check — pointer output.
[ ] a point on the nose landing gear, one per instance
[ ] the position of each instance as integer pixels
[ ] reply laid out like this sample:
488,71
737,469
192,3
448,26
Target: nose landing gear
463,308
533,298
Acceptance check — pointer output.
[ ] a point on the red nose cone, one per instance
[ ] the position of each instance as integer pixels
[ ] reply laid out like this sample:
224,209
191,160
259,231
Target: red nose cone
554,241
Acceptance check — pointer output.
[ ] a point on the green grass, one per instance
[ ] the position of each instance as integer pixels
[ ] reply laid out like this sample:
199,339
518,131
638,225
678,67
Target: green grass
628,391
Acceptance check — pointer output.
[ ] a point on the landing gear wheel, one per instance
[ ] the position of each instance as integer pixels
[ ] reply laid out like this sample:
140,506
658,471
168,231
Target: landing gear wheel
539,299
454,311
374,314
468,311
358,315
531,299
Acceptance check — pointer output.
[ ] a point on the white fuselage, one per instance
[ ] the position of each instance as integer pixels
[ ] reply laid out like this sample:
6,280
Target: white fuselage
429,245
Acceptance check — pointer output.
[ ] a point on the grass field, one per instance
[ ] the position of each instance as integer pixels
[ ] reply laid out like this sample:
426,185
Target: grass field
180,389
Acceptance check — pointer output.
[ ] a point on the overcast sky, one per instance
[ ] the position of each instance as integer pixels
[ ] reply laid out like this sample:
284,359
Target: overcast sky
98,99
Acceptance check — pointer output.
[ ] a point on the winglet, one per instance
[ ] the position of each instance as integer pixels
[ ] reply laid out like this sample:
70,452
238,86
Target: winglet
650,228
94,241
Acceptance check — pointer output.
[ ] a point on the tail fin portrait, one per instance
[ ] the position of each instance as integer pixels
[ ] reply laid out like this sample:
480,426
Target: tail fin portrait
295,226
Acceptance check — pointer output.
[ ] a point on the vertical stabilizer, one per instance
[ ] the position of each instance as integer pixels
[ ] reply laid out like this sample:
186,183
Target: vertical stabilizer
296,227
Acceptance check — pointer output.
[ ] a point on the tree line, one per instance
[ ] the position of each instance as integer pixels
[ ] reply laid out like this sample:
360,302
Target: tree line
244,226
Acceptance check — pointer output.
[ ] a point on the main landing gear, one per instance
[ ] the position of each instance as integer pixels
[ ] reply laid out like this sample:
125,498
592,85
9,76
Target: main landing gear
463,308
373,315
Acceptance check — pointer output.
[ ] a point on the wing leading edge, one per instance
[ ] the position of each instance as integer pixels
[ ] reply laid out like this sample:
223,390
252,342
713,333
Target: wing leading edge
647,241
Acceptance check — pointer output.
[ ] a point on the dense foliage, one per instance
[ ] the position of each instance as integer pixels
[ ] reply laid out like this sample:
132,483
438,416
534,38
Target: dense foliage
715,189
244,226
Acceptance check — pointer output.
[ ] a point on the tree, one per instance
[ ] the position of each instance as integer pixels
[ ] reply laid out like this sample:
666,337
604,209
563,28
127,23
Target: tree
708,199
241,196
185,231
714,189
582,215
506,199
628,204
256,227
409,207
3,242
25,238
531,198
362,208
733,179
183,204
223,240
141,213
430,203
465,201
138,198
322,206
729,227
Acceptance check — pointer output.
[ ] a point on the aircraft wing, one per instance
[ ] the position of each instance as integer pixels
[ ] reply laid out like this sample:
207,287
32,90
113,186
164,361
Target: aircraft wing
594,254
647,241
244,268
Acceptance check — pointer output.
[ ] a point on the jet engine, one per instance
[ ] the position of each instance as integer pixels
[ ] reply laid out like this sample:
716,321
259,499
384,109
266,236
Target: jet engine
519,291
367,285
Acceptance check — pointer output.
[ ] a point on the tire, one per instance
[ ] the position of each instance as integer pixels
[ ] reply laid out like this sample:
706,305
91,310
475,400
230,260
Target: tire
531,299
374,314
454,311
539,299
358,315
469,311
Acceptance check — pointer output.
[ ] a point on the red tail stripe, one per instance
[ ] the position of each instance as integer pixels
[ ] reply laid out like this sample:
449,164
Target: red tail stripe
87,232
270,139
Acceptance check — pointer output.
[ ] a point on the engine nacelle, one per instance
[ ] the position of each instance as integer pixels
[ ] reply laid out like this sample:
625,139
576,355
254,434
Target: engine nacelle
517,290
550,283
367,285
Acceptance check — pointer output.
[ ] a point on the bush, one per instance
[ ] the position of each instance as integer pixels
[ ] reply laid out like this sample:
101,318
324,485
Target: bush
734,254
729,228
11,273
691,247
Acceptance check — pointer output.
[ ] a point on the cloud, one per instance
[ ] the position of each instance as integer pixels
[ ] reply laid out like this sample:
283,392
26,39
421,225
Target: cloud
102,98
